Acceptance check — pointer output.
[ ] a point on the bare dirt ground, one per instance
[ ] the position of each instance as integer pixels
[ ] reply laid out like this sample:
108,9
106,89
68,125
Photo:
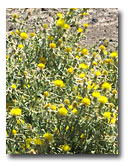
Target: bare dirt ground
103,22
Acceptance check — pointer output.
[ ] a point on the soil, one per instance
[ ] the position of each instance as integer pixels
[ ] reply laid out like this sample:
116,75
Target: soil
102,22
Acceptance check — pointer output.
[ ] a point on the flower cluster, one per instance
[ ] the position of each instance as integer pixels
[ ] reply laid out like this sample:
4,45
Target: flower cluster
62,95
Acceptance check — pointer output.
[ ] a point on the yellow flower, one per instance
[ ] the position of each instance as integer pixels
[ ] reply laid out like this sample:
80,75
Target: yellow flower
106,85
85,25
66,26
98,73
65,148
114,115
48,136
20,46
95,87
41,65
60,40
70,107
12,33
59,83
60,22
56,130
14,132
59,15
77,57
78,48
85,14
74,111
52,45
50,37
94,54
68,49
73,8
117,108
15,111
105,52
75,87
107,115
101,62
79,97
82,75
46,94
29,126
15,16
24,86
114,91
66,101
61,105
84,51
111,105
113,54
86,101
53,107
20,121
96,94
28,142
70,70
94,63
67,128
79,30
61,45
92,70
13,86
37,141
105,72
27,145
113,121
83,66
103,99
102,47
32,34
82,136
15,101
24,35
7,56
20,59
92,85
45,26
17,31
63,111
43,60
47,105
25,73
108,61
